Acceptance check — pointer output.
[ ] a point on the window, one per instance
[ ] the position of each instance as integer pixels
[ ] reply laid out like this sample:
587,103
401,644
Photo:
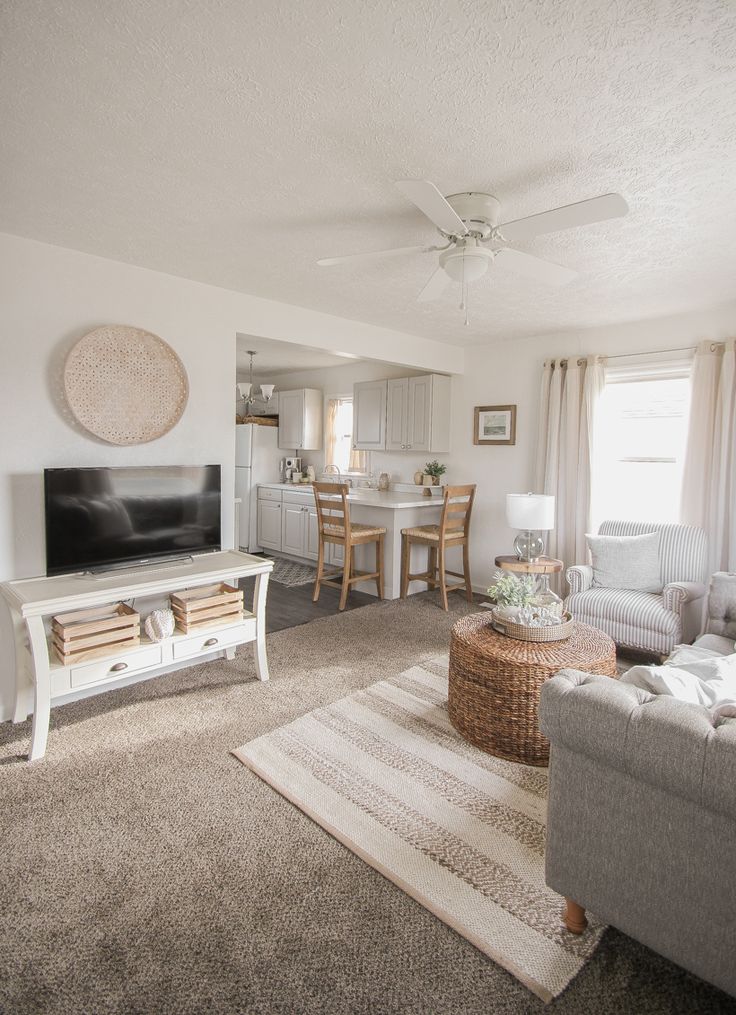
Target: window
339,438
641,432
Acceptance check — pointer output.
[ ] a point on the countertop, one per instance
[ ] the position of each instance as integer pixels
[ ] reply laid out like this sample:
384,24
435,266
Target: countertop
391,499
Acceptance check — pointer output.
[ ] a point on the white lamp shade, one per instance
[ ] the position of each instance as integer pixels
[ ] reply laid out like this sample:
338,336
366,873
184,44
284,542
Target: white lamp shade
531,512
244,389
267,390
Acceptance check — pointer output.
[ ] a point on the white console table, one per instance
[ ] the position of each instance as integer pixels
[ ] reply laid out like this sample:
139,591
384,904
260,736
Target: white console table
41,681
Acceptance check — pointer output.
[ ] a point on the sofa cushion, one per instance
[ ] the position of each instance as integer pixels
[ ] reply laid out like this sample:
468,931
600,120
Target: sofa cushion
626,562
715,643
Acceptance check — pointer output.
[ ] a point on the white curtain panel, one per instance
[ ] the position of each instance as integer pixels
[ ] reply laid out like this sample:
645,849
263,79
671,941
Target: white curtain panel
565,450
709,478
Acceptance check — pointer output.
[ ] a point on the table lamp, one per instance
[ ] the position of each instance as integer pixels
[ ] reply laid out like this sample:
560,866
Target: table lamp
532,513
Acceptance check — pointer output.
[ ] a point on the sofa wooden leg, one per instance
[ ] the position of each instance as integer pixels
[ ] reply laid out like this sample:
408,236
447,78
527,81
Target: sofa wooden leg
574,917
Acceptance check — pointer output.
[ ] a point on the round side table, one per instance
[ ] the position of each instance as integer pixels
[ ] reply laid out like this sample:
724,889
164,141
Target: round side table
542,565
496,682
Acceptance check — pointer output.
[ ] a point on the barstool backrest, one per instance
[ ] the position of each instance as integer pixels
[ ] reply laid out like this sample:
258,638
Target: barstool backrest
457,507
332,512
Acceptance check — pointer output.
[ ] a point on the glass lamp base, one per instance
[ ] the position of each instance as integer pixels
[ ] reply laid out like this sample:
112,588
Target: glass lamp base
545,598
528,546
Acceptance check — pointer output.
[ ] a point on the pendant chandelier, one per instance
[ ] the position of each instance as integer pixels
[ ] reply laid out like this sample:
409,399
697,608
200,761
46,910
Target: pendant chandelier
247,391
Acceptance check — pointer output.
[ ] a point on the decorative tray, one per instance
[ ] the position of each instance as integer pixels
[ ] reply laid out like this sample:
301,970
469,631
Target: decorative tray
524,633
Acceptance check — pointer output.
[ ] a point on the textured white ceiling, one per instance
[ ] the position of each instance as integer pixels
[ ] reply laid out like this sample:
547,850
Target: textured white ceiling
275,358
237,142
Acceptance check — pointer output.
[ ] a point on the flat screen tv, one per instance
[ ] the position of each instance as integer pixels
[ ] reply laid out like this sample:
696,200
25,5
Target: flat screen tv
109,517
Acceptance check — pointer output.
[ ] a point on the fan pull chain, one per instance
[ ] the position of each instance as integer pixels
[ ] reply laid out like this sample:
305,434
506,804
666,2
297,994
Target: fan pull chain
464,294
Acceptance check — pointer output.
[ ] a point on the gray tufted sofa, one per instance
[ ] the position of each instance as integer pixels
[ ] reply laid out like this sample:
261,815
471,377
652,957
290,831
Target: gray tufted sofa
642,811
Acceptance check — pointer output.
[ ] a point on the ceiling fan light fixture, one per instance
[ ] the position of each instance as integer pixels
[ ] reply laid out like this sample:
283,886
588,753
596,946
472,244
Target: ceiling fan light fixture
466,261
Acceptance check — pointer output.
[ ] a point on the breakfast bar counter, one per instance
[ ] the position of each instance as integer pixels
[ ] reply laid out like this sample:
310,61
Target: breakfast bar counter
392,510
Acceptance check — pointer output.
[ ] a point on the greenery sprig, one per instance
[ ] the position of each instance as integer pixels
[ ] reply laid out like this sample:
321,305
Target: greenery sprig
512,591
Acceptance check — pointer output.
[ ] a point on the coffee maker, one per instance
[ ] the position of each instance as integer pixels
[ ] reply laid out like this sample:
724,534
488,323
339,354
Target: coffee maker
292,467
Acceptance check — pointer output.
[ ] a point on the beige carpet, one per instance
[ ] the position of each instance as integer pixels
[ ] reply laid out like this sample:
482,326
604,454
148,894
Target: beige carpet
461,832
144,871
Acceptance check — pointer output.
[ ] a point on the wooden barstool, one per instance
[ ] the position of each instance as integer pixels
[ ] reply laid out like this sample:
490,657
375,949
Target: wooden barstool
333,521
453,530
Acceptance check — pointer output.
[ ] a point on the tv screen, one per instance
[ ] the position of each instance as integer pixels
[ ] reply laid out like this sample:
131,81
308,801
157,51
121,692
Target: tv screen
103,518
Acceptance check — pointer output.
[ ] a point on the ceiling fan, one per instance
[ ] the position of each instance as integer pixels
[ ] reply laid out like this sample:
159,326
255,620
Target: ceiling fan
469,224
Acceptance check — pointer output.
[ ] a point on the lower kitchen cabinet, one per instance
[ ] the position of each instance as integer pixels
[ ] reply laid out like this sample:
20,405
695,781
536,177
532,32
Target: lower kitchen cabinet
299,531
292,529
269,524
289,525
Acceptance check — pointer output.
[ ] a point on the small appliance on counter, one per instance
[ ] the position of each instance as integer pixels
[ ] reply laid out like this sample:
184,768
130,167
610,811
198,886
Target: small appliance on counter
292,470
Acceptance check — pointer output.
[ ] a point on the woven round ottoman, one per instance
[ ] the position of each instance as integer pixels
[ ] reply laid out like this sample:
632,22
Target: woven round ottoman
496,681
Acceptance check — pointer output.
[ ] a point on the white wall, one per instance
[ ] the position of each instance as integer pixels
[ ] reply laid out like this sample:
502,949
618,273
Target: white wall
50,297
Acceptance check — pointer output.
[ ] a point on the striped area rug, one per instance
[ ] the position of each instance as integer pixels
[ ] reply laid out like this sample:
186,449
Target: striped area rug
458,830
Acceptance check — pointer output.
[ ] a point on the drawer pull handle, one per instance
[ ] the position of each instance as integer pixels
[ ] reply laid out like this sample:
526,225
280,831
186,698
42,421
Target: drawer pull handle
210,641
118,667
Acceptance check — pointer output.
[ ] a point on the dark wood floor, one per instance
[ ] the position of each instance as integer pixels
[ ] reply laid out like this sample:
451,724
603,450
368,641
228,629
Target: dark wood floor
290,607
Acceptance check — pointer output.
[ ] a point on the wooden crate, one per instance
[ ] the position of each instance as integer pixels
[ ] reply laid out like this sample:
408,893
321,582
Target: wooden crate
84,634
210,604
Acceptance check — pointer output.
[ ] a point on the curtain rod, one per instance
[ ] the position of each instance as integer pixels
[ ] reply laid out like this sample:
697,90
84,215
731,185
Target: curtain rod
650,352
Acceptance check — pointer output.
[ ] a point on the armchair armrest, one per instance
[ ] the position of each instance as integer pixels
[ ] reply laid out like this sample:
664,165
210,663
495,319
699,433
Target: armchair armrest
677,594
579,577
654,738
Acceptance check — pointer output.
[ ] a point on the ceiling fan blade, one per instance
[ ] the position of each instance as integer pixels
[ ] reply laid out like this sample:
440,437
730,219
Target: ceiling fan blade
325,262
582,213
534,267
428,199
435,287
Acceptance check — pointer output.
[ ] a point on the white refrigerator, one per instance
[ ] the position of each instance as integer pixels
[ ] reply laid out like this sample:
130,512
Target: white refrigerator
256,461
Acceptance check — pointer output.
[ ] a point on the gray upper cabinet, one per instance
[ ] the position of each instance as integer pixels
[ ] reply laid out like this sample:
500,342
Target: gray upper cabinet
300,419
369,415
397,414
418,413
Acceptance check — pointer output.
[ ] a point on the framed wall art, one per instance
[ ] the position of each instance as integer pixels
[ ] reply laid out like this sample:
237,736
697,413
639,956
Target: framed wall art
494,424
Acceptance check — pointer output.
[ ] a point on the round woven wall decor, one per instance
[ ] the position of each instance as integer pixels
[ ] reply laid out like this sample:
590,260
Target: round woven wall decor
125,385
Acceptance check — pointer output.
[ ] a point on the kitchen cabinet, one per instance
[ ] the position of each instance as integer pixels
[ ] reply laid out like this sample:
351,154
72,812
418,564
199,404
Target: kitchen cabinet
418,413
269,524
369,415
300,419
312,535
397,404
335,554
299,531
428,413
292,529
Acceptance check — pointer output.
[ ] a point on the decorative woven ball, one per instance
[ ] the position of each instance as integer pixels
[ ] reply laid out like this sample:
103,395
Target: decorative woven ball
160,625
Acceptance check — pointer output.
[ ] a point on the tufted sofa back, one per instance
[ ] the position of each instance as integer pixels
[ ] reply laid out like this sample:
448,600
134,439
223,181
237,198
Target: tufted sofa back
682,548
722,605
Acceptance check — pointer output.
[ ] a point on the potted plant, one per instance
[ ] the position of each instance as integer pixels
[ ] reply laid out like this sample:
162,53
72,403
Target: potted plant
435,469
511,594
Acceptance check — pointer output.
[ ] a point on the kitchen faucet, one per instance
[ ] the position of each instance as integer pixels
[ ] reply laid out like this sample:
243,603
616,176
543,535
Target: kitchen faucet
339,474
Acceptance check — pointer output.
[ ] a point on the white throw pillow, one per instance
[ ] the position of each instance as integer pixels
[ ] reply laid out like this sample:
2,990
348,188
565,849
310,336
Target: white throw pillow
626,562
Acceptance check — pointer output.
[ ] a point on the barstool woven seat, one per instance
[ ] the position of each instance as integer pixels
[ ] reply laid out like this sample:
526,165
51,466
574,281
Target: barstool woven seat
333,522
429,532
356,528
453,530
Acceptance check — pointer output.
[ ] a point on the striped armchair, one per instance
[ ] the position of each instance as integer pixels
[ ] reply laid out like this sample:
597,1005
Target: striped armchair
644,620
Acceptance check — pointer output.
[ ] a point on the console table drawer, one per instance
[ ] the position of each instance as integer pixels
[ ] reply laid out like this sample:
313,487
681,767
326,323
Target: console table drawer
112,667
211,641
